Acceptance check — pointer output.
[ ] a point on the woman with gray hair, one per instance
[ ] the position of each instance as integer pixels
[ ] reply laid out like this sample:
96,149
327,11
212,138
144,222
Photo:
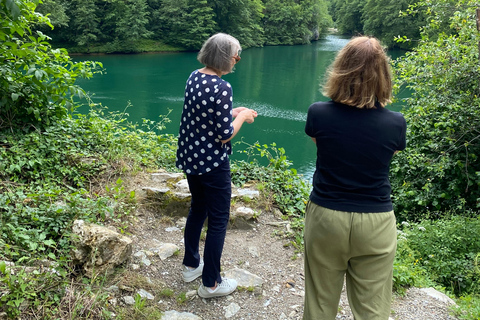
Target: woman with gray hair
208,123
350,227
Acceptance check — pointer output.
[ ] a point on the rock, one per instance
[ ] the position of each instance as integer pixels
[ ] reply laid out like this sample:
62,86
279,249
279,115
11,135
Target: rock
438,295
244,278
162,177
128,300
175,315
166,250
249,193
145,294
99,249
231,310
182,186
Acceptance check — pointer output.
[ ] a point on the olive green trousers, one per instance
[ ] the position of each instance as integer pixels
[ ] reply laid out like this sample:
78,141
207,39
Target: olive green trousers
358,246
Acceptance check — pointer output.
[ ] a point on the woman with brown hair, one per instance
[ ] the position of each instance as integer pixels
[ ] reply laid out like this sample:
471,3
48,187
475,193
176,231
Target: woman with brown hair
350,227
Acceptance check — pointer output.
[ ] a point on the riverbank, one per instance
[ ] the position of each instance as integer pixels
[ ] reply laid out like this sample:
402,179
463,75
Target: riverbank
120,47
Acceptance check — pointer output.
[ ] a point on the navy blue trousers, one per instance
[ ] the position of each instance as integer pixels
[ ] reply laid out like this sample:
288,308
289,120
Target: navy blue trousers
211,195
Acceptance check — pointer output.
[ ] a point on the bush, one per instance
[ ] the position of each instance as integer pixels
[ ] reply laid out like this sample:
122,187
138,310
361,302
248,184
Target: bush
289,191
448,249
440,169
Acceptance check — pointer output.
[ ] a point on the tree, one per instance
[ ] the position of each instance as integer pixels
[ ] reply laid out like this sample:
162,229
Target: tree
440,169
240,18
348,16
85,21
131,20
187,23
37,83
383,19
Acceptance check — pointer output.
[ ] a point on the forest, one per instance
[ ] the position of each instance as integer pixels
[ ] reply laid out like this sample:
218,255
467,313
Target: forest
185,24
57,165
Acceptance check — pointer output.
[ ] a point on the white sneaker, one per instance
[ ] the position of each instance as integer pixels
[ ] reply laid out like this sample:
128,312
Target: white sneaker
191,274
224,288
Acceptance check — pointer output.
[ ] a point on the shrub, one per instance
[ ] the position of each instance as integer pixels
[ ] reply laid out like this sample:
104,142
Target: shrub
440,169
447,249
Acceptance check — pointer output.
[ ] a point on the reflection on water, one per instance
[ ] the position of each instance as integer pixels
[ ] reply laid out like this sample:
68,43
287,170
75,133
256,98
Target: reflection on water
332,43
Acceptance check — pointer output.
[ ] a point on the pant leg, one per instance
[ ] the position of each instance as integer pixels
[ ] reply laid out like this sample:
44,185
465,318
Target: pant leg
217,192
326,259
370,271
195,220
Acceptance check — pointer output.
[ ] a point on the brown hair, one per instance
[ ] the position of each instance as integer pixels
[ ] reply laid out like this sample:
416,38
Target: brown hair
217,52
360,75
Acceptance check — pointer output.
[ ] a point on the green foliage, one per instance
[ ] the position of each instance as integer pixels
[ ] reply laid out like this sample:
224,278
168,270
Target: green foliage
380,18
186,23
290,22
290,191
448,249
407,271
348,16
440,170
46,178
383,19
468,307
37,84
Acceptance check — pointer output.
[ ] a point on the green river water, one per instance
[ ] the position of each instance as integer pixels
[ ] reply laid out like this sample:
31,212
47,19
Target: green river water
279,82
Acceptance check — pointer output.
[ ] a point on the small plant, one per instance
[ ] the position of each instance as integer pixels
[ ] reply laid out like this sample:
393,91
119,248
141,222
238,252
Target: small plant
182,298
166,293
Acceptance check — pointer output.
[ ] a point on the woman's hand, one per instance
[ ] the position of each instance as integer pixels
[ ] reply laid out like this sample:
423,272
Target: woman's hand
236,111
248,115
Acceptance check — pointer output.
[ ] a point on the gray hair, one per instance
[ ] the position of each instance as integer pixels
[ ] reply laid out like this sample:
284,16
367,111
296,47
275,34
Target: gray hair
218,50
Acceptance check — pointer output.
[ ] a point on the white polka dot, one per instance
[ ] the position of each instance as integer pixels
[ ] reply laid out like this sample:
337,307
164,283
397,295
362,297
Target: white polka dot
216,152
208,170
210,110
202,150
201,163
210,133
226,119
195,167
226,131
204,102
207,90
197,143
188,171
189,159
215,164
204,126
209,145
209,158
224,93
203,138
226,106
204,81
219,125
195,155
219,101
218,113
204,114
199,93
212,99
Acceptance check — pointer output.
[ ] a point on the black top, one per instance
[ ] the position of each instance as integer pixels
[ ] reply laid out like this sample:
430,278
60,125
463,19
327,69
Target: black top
354,149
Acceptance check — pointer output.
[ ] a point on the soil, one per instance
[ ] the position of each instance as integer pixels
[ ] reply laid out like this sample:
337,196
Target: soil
263,251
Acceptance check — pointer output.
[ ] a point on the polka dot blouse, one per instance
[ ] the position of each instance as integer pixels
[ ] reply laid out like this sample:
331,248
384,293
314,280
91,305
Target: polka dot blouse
206,120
